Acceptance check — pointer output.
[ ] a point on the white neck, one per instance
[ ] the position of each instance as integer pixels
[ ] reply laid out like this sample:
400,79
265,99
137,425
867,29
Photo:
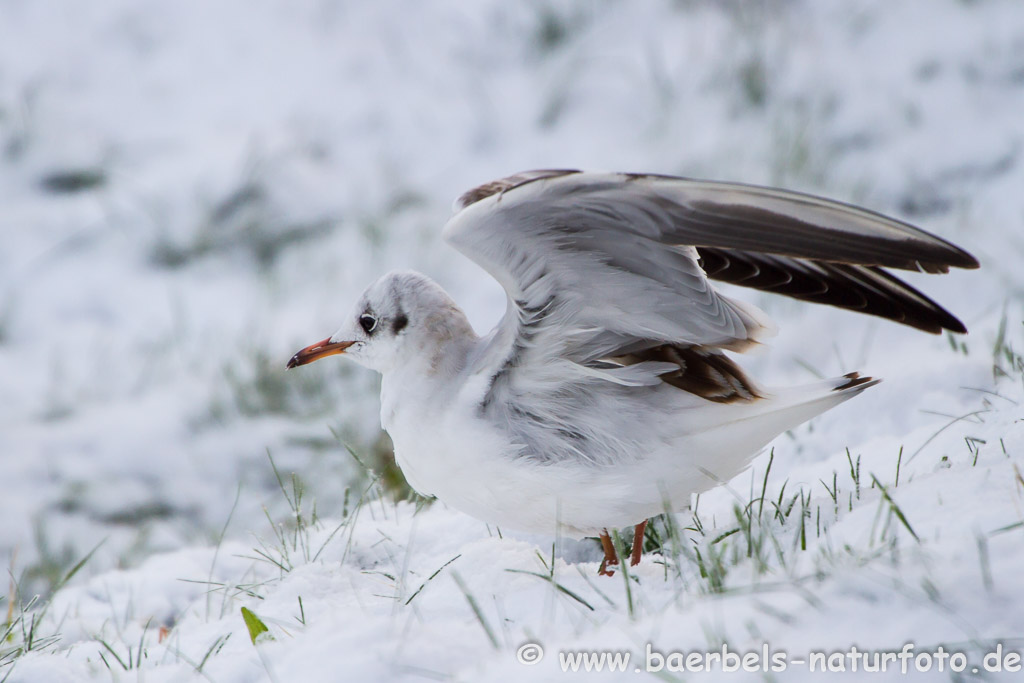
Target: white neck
429,381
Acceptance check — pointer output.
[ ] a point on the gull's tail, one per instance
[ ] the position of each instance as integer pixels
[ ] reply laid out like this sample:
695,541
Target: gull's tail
785,409
747,428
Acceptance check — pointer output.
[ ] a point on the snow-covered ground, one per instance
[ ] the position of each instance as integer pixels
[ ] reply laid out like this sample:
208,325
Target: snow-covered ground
191,191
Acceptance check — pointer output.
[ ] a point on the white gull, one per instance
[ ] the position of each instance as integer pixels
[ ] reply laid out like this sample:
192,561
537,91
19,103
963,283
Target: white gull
605,395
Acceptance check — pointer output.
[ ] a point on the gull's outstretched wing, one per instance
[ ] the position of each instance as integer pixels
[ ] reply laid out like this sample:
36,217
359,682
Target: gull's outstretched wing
604,269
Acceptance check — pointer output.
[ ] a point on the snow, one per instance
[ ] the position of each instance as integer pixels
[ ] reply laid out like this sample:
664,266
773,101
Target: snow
250,167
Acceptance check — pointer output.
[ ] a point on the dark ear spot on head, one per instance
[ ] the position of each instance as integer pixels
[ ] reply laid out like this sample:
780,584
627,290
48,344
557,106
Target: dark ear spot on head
399,323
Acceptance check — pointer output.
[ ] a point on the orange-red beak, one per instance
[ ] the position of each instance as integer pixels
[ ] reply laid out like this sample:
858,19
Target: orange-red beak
321,349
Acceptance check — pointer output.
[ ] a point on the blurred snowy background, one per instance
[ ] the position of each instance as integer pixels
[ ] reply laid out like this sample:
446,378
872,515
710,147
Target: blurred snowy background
191,191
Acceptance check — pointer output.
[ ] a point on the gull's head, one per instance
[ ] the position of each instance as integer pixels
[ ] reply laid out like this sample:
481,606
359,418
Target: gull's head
404,319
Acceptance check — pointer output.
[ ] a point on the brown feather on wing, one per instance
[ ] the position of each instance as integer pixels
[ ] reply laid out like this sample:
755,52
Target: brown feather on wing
505,184
703,371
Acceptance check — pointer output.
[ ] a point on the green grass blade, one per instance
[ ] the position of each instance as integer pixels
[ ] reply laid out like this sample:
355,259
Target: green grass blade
895,508
476,609
257,629
554,583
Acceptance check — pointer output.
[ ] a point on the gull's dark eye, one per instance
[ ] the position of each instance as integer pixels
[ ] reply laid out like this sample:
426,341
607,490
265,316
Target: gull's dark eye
368,322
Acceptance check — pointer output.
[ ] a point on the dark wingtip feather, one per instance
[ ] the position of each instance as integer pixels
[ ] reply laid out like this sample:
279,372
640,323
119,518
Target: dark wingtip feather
951,323
962,259
864,289
856,380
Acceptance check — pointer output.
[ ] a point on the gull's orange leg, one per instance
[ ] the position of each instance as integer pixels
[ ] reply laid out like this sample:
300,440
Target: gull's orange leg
638,543
610,557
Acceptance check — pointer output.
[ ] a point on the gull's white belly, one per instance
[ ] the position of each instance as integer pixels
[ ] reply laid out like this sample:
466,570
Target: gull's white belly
471,465
468,465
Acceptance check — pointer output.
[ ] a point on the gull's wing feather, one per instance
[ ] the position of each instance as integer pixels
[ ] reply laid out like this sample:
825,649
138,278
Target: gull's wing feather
598,263
865,289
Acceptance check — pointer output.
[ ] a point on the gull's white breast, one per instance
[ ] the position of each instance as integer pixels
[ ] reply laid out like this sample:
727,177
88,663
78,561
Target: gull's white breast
446,450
